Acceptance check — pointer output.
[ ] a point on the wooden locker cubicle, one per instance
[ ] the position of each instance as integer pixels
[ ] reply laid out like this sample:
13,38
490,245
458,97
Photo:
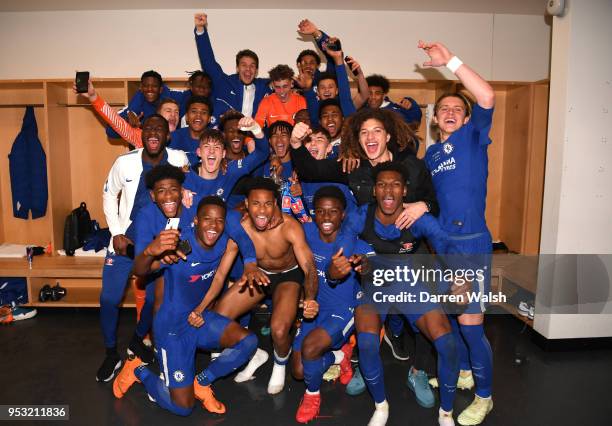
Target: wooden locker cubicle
78,159
79,156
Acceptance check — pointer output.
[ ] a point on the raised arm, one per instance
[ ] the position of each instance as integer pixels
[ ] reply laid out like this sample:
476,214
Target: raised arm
256,156
309,169
439,55
205,50
112,118
344,90
363,90
307,27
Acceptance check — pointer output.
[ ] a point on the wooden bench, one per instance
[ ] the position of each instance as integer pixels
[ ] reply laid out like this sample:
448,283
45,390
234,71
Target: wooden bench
510,271
80,276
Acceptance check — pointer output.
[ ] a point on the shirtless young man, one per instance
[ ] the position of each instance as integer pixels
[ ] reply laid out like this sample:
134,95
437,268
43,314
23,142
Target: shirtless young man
287,262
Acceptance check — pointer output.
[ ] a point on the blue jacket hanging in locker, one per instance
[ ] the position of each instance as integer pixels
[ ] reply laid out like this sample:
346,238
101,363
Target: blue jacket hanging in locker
28,169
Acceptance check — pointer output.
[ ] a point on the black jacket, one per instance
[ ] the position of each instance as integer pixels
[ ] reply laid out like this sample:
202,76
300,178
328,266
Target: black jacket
360,180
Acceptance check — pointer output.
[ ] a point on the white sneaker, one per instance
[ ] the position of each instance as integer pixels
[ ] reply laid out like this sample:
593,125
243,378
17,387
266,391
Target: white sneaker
381,414
22,313
277,379
445,418
531,313
257,360
526,309
523,309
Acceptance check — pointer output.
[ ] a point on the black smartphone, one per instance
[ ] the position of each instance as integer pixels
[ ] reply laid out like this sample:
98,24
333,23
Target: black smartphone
129,251
82,80
355,72
335,46
184,247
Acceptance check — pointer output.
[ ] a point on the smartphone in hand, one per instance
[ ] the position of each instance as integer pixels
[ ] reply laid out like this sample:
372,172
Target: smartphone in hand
81,81
334,45
173,223
355,72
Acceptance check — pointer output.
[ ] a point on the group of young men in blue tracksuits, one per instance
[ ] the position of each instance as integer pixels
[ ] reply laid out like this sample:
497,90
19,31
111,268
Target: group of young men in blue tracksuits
173,228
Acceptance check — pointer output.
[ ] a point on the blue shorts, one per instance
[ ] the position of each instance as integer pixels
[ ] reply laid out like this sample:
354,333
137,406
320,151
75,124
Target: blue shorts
176,348
478,248
339,324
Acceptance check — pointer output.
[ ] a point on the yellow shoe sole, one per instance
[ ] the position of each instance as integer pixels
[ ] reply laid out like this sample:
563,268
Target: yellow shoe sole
475,416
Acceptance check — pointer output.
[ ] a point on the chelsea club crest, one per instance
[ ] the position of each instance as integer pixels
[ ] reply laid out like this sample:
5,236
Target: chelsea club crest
448,148
179,376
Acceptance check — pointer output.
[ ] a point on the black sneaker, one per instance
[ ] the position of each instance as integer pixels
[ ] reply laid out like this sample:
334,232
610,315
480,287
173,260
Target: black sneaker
112,363
142,351
397,345
355,356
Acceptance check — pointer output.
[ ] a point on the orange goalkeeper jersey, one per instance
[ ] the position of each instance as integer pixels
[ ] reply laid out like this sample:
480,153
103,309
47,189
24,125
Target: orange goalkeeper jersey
271,109
130,134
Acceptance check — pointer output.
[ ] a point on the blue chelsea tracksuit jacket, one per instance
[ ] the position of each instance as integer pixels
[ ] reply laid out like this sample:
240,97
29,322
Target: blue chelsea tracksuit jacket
28,170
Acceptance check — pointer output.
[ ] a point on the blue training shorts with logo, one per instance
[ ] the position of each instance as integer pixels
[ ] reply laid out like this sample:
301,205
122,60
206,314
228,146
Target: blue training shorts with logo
476,248
176,349
339,324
